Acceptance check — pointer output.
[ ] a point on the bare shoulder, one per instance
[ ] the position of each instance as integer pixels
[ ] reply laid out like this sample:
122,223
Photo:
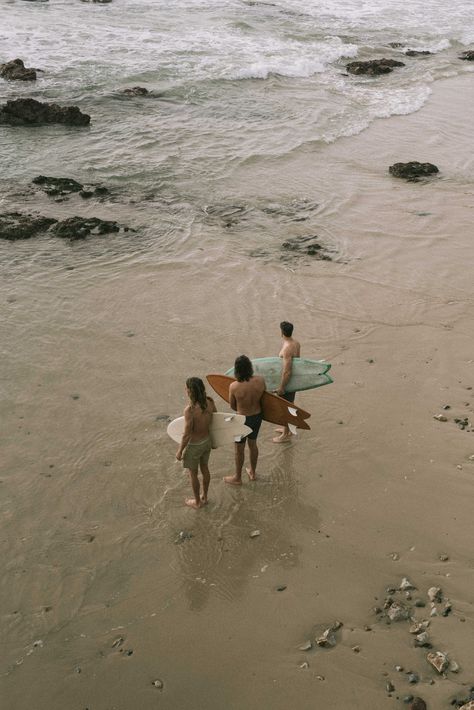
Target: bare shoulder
187,410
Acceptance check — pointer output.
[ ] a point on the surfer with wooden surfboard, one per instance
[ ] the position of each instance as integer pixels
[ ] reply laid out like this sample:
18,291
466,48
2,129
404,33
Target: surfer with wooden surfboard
245,395
290,349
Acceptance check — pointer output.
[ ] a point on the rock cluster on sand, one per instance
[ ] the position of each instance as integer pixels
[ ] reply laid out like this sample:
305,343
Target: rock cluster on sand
29,112
413,170
468,56
14,226
16,70
374,67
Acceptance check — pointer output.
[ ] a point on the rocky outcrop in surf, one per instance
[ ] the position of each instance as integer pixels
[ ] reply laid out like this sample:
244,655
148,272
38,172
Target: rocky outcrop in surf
417,53
81,227
16,71
136,91
468,56
306,246
374,67
101,2
15,225
413,170
63,187
29,112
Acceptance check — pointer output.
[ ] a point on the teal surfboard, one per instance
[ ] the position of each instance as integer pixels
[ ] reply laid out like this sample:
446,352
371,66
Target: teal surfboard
306,374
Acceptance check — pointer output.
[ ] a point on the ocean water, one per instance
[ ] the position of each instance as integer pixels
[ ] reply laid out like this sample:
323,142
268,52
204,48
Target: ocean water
232,81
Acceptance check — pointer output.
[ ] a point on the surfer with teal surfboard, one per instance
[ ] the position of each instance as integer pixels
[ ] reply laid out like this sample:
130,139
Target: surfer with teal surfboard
290,349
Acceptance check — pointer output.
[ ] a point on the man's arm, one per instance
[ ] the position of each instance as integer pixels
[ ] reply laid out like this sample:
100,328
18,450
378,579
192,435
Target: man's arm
188,428
285,373
232,399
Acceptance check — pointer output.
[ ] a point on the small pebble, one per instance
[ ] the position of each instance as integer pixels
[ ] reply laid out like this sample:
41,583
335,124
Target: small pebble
407,699
440,417
356,649
281,588
158,683
118,642
307,646
443,558
390,687
305,664
420,603
413,678
320,677
255,533
399,669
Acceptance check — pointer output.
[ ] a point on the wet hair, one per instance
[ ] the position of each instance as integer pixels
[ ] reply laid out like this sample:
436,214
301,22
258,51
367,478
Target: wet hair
243,368
197,392
286,328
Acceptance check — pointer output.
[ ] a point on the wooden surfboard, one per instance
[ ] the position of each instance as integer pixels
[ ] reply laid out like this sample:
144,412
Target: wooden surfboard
275,409
225,428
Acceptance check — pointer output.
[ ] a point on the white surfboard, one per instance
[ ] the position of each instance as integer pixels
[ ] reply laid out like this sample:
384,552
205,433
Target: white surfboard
225,428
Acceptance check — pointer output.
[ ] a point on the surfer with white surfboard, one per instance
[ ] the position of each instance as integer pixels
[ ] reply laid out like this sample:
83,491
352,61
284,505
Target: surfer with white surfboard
195,446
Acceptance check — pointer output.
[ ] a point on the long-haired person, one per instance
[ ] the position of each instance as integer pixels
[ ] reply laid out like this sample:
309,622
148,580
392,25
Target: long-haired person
195,446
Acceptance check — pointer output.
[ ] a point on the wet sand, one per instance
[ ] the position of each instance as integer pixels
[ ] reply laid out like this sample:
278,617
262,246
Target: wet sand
92,500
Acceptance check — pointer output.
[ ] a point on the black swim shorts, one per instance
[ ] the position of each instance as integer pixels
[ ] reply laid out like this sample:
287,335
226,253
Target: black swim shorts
289,396
254,421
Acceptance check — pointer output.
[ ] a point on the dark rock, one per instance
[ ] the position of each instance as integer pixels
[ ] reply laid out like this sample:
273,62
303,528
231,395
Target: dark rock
308,246
82,227
14,225
418,704
57,186
417,52
29,112
413,170
281,588
413,678
396,45
390,687
374,67
468,56
101,2
16,70
136,91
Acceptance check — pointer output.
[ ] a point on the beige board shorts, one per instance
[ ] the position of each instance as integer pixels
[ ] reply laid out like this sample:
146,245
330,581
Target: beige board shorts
196,454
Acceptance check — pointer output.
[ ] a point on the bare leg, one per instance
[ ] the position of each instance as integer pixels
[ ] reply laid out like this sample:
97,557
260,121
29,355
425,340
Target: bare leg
196,501
236,480
253,449
206,478
284,436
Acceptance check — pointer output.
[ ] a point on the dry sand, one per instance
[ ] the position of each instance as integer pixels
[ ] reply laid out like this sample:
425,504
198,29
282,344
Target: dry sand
378,490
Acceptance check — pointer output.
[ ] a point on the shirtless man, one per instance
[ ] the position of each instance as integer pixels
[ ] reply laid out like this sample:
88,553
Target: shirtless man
245,398
195,444
290,349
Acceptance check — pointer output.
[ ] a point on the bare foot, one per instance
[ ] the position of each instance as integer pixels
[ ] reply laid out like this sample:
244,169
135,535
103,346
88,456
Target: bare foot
283,437
192,503
204,501
280,428
252,475
232,480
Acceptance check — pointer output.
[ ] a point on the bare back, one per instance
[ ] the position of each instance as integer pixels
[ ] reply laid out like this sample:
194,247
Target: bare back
245,397
198,420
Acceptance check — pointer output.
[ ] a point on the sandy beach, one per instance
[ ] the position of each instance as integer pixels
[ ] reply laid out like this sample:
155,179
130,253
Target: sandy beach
110,583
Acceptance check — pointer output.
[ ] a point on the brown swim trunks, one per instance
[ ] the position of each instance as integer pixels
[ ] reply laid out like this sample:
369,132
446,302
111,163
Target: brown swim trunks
197,453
